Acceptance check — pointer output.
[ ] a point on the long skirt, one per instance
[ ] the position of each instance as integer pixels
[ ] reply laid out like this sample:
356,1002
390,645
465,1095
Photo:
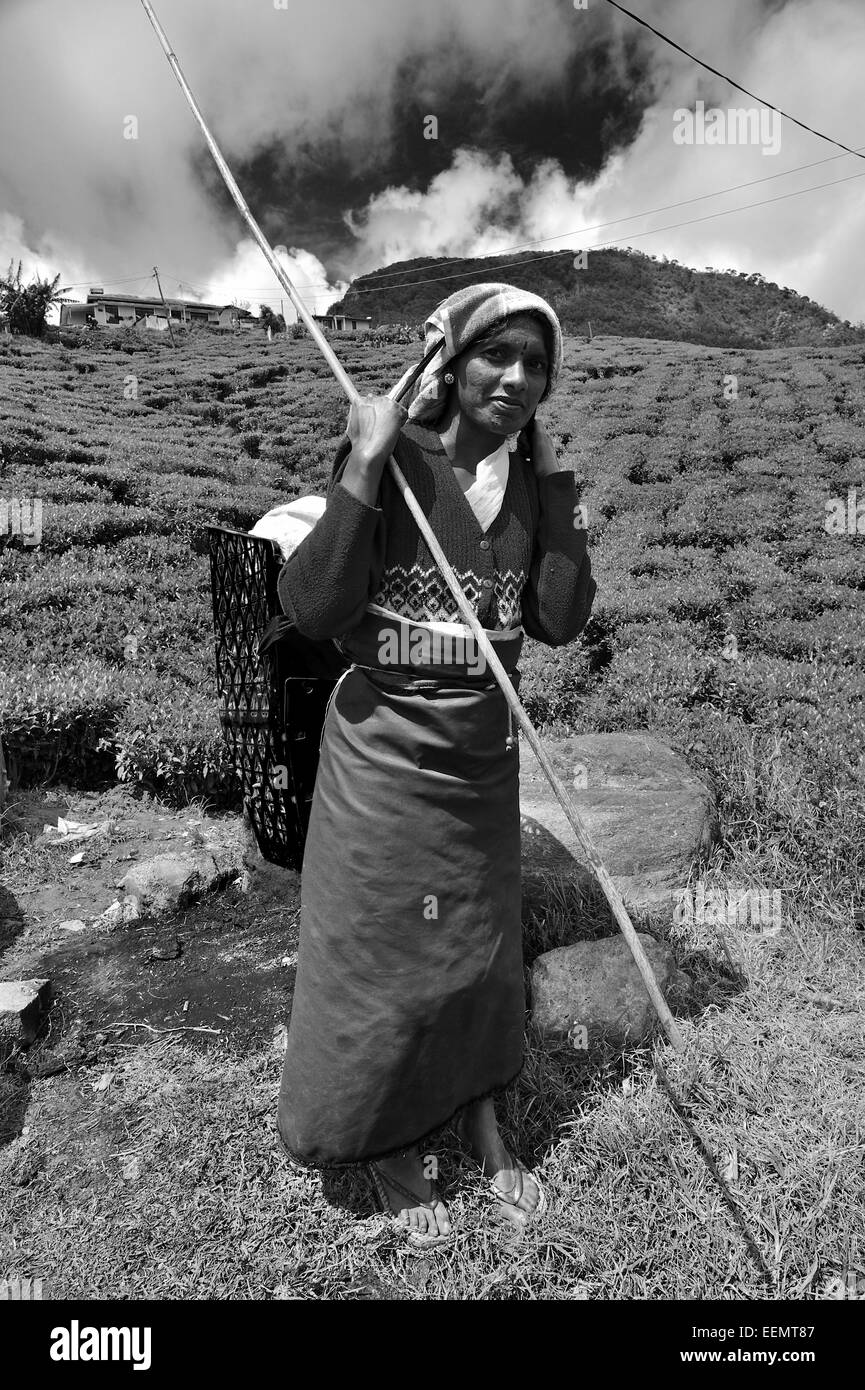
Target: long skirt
409,1000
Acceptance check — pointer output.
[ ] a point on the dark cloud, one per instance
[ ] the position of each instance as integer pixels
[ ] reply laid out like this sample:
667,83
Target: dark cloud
548,119
586,106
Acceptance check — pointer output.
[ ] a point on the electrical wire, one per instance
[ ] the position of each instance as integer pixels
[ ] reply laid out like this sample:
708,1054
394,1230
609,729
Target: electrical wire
732,82
632,236
375,285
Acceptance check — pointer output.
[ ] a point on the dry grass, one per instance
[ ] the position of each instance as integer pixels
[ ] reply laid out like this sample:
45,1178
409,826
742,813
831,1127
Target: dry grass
771,1080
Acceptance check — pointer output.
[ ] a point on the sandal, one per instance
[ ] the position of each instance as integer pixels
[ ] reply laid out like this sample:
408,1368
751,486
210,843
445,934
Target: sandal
421,1240
517,1187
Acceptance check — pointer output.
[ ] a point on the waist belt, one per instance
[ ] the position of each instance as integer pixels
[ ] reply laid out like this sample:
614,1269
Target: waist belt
401,680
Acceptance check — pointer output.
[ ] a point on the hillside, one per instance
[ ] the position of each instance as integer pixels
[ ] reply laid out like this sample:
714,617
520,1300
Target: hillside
619,292
706,518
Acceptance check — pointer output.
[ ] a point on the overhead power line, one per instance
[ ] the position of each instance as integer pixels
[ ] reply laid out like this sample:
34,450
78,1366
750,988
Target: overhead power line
650,212
399,283
576,232
318,285
733,83
632,236
80,284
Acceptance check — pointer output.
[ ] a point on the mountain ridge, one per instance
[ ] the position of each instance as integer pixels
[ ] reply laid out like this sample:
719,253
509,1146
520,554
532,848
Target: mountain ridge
619,292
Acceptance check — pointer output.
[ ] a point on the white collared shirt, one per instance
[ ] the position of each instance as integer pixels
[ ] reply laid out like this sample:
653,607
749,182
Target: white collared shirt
486,494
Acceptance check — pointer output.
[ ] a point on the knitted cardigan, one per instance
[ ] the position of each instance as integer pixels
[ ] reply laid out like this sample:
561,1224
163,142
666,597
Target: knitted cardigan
530,566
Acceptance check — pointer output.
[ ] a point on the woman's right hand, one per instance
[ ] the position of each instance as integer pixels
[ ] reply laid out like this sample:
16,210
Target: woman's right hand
374,424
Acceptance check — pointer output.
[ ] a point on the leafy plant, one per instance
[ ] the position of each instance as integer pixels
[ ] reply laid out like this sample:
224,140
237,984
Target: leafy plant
24,308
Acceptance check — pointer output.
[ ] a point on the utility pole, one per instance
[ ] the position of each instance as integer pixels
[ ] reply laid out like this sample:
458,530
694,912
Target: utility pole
167,310
591,335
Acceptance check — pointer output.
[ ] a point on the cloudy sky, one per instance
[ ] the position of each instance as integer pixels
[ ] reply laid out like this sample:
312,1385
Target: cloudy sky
550,120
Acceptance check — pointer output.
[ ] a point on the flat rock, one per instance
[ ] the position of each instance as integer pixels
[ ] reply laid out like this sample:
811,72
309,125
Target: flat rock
23,1004
595,986
168,882
646,811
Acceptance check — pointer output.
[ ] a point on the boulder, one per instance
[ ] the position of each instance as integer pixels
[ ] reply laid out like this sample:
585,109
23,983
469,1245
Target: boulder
592,991
23,1004
645,810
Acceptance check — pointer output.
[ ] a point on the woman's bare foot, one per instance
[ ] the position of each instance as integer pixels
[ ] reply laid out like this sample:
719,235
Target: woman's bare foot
408,1169
478,1128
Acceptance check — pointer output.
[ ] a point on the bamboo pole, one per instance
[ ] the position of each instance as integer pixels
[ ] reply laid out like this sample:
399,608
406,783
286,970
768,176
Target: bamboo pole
611,892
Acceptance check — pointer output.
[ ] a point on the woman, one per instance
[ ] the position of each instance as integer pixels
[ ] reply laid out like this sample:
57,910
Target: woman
409,1004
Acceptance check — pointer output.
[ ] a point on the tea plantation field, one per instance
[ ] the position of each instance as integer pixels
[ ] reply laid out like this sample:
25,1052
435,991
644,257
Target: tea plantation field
728,618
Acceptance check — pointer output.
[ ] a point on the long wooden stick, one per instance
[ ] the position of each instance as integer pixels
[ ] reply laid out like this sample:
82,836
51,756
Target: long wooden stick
591,854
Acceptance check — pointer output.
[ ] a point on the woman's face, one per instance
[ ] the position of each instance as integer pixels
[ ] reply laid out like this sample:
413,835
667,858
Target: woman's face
500,381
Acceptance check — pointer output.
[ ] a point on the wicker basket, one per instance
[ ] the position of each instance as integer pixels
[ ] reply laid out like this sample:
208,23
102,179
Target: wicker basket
271,709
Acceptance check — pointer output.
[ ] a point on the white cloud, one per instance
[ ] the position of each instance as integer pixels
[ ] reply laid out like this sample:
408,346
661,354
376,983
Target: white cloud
80,198
247,276
806,242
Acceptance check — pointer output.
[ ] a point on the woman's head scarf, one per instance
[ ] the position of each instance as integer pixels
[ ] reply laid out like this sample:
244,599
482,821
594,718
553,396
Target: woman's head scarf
461,319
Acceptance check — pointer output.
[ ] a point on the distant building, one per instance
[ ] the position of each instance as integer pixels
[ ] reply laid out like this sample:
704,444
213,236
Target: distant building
104,310
344,323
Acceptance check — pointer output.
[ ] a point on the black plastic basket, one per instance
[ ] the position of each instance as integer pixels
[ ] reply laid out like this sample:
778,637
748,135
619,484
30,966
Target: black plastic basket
271,708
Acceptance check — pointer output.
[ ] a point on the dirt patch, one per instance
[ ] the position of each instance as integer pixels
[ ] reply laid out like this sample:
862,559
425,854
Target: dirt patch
215,967
226,963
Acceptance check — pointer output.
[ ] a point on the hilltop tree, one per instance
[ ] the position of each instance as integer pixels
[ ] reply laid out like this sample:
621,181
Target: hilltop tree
24,307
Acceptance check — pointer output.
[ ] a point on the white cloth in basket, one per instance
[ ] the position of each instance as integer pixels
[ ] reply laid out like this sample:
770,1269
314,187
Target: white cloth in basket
290,523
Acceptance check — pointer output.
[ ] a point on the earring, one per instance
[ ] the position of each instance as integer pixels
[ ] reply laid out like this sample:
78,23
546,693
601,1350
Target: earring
449,378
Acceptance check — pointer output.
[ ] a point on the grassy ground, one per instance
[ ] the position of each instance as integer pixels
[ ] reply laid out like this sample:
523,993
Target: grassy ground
169,1180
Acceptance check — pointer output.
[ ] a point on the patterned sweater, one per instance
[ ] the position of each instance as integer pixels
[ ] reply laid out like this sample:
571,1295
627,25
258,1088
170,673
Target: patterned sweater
531,565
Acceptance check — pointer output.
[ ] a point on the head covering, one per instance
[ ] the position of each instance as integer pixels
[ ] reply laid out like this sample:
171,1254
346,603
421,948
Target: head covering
463,317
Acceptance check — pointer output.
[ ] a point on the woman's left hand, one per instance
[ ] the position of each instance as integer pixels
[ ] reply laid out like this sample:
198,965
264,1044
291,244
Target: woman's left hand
542,451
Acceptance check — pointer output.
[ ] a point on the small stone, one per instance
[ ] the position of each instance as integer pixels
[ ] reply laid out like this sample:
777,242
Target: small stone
118,913
595,986
74,924
131,1169
23,1004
